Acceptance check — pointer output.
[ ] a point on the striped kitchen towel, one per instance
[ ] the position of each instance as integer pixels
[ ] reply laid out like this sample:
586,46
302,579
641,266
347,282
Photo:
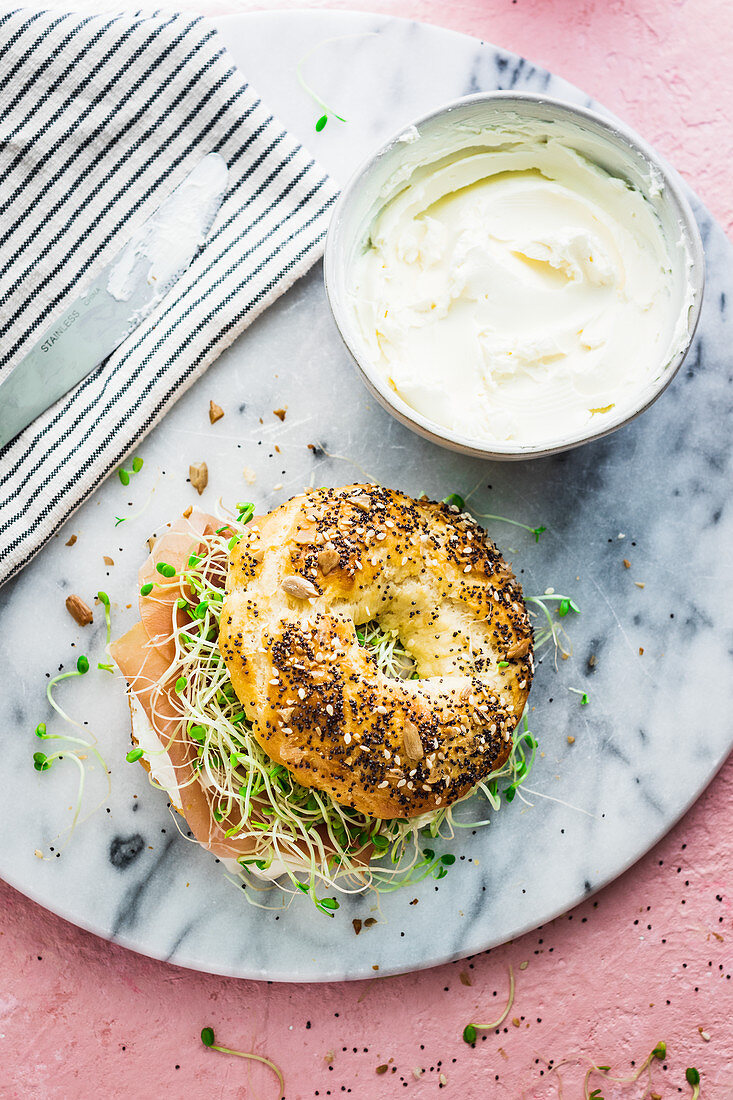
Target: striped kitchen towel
101,117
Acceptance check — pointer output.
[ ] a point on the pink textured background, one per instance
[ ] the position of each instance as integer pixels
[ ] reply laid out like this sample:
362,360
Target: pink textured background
649,958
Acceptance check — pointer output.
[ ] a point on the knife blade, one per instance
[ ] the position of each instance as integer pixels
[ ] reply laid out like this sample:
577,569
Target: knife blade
119,299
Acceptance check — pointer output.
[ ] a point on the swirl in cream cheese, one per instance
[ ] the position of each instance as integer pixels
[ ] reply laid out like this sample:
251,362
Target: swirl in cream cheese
512,290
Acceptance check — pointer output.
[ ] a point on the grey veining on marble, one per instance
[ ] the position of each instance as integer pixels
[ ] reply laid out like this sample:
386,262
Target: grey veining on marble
657,726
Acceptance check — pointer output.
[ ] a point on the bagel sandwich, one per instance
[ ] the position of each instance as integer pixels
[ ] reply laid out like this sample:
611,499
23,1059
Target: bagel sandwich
318,687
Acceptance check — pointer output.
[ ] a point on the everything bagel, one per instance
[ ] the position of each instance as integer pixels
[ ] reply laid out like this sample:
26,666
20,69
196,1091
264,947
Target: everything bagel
302,579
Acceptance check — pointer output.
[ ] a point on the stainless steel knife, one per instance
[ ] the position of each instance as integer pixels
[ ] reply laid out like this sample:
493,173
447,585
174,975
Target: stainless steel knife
123,294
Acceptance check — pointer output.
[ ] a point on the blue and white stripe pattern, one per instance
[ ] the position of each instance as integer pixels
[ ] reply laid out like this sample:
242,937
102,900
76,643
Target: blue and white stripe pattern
100,118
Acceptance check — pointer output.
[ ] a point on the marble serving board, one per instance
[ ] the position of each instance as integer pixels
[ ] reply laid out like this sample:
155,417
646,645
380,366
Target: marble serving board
658,721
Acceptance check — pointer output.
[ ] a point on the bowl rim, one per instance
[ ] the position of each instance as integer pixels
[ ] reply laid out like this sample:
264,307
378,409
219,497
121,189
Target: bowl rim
509,451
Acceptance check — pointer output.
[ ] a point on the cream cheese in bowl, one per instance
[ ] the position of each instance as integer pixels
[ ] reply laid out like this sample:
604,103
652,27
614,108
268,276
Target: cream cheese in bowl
517,283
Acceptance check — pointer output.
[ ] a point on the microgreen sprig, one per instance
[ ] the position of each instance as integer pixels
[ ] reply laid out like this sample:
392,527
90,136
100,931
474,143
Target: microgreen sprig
124,475
455,500
552,629
82,667
42,762
470,1030
209,1040
245,512
692,1076
584,700
43,733
659,1053
388,651
328,112
104,600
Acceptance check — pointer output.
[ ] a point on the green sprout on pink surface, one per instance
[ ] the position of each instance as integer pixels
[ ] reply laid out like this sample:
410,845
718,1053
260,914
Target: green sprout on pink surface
659,1053
692,1076
470,1030
209,1040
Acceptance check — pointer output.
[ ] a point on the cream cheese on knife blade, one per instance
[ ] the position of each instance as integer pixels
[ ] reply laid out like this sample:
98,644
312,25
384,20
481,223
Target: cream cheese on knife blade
512,290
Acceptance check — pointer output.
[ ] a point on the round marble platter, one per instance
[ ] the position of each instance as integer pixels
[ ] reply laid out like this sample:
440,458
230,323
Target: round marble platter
651,647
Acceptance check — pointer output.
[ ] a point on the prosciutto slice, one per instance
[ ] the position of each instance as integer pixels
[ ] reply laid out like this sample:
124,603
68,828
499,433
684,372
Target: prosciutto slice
145,656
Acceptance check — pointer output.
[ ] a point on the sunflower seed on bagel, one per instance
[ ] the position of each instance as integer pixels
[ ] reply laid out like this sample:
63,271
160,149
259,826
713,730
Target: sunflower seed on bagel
388,747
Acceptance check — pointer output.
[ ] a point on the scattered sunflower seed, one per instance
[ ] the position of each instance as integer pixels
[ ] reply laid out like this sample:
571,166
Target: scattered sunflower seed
412,741
299,587
199,475
328,560
79,610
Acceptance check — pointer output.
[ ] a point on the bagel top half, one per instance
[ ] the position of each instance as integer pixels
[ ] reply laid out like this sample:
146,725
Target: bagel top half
304,576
